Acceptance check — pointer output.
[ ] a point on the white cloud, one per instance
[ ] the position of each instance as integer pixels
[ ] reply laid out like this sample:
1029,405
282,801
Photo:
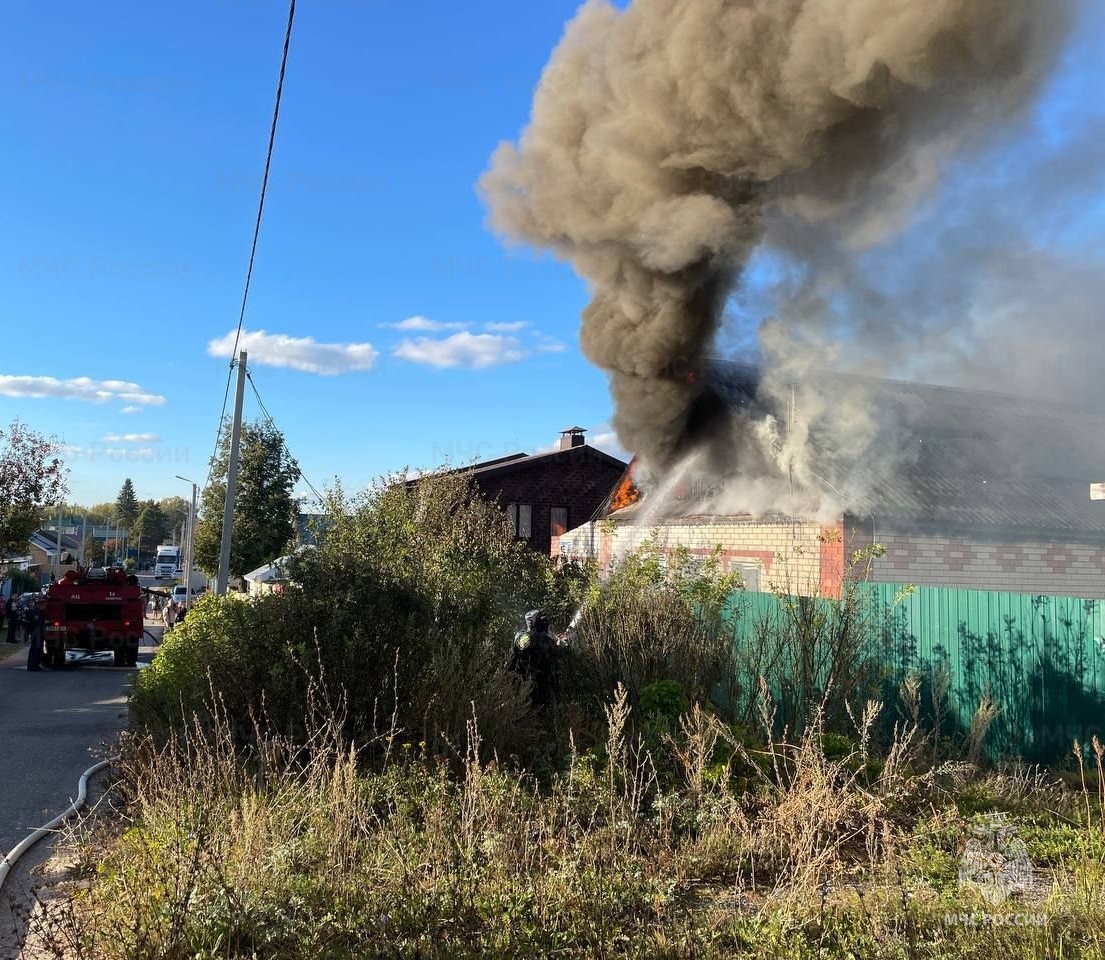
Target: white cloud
551,346
512,327
474,351
298,353
131,410
78,388
132,438
423,324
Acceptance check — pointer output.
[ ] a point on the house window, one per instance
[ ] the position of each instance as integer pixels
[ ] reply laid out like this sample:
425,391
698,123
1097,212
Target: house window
521,519
558,521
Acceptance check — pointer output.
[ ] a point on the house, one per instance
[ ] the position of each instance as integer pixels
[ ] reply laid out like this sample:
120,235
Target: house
964,489
993,577
546,494
266,579
271,577
43,546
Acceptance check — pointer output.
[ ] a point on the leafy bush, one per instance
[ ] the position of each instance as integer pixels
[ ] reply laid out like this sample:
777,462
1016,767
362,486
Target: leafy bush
23,582
650,623
817,655
404,616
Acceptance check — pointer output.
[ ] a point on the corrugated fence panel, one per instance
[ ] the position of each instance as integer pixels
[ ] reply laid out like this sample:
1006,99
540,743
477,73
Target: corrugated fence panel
1042,659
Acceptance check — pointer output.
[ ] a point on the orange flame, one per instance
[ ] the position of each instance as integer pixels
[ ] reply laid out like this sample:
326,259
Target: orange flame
626,493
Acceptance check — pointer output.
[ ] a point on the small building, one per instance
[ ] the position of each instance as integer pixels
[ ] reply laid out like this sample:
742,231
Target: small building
44,546
963,489
269,578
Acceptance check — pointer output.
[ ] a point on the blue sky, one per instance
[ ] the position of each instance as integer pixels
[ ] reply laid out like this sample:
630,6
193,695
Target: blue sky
136,136
136,140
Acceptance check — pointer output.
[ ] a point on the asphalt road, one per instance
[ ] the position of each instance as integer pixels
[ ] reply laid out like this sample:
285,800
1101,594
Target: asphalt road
53,726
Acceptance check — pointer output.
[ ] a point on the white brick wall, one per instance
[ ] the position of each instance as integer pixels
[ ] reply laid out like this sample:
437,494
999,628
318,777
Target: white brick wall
787,556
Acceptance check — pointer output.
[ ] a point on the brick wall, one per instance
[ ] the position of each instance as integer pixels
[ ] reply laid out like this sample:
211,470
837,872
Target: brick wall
998,560
574,478
802,557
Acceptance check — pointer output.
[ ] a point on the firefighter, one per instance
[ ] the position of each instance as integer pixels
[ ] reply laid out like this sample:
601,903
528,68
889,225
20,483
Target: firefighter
34,624
534,658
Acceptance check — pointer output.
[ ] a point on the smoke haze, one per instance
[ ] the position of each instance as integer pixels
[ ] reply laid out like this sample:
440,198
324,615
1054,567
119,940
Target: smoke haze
671,141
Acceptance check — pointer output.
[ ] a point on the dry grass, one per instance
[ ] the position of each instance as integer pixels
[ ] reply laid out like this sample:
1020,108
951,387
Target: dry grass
771,849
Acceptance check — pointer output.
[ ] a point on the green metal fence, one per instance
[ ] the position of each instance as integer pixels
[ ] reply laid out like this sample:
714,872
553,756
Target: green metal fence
1042,658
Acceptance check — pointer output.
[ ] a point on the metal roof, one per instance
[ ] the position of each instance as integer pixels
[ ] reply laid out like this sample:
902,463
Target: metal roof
952,456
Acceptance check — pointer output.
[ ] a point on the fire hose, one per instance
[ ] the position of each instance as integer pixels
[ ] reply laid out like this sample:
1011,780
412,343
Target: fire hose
29,841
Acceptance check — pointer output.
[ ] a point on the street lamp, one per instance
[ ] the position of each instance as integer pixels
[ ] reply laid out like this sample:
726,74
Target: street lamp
190,543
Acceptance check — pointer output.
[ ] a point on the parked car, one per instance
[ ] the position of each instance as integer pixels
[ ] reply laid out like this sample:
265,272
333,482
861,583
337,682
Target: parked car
180,594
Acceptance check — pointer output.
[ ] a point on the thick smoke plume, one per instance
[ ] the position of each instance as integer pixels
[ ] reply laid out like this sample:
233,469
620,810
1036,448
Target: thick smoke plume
665,140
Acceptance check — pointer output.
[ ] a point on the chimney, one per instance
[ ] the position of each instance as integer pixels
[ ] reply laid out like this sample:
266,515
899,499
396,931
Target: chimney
572,437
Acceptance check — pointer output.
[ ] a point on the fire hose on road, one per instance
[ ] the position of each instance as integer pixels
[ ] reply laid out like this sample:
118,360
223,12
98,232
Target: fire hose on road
24,845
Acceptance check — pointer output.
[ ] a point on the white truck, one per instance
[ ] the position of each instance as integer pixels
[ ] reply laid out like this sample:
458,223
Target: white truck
169,562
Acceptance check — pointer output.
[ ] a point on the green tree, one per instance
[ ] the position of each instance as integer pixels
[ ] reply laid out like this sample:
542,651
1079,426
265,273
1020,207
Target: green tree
175,510
264,509
101,514
126,505
93,552
150,526
32,477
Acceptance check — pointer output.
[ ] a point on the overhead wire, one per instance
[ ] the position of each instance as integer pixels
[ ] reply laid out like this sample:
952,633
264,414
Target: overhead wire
283,439
256,235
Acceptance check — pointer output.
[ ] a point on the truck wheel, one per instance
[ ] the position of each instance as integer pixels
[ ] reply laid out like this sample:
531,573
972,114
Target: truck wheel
55,657
132,655
120,655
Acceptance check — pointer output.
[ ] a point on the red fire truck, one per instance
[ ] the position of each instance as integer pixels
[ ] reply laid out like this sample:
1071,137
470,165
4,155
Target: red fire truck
97,609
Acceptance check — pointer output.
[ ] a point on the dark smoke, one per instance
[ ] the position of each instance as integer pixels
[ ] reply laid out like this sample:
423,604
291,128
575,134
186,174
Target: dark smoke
666,138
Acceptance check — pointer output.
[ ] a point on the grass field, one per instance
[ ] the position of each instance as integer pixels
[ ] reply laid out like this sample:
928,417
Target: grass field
775,854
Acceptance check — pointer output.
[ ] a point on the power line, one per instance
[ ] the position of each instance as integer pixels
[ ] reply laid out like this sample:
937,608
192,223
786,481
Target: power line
265,178
256,234
219,432
283,440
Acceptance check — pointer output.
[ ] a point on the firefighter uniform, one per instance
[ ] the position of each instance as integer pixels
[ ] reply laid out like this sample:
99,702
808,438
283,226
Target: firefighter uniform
534,658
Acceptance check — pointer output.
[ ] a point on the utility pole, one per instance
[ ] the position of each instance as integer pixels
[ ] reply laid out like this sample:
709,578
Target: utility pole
190,551
189,544
231,478
57,557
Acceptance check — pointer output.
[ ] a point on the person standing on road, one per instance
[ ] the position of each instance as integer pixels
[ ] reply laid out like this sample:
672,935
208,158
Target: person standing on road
9,614
35,625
